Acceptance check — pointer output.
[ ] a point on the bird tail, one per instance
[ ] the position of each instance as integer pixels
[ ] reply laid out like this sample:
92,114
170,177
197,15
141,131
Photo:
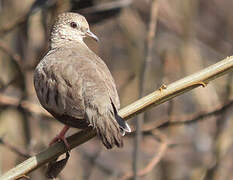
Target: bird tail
107,128
110,127
111,134
124,127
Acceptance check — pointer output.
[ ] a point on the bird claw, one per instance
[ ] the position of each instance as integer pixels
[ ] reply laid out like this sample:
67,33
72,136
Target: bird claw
60,138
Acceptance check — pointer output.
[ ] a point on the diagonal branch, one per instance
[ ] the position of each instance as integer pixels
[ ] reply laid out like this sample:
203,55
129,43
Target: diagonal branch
12,25
154,161
14,149
166,93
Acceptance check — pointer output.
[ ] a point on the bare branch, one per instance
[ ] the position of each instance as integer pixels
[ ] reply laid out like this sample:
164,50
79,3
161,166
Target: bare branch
155,160
15,149
188,83
184,119
12,25
8,51
31,107
144,77
106,6
200,116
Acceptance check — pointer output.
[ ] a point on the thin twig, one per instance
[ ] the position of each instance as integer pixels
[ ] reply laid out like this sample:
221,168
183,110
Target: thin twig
5,86
9,52
157,97
198,117
143,82
155,160
27,105
184,119
94,162
15,149
12,25
106,6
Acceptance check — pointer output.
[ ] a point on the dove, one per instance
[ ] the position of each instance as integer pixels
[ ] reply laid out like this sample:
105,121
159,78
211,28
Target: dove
75,85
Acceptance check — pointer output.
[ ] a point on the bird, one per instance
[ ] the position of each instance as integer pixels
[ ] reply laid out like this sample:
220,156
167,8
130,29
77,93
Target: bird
75,85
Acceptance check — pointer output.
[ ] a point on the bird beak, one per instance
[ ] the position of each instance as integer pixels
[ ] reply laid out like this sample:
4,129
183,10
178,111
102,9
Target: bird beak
92,35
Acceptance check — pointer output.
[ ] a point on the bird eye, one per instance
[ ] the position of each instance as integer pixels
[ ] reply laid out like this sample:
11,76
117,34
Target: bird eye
73,25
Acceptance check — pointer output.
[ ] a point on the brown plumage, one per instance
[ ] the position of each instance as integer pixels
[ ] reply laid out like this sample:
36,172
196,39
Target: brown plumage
75,85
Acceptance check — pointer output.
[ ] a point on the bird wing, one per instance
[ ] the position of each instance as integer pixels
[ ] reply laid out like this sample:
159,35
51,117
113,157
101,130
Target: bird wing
58,86
76,87
109,81
99,93
67,77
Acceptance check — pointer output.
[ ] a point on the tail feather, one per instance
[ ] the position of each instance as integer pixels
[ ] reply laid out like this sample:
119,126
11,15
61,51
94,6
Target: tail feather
110,127
122,123
110,133
106,126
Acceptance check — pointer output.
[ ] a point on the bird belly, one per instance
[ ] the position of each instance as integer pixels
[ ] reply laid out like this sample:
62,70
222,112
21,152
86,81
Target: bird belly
71,121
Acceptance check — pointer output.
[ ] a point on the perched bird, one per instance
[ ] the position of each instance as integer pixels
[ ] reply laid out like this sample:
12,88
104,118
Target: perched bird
75,85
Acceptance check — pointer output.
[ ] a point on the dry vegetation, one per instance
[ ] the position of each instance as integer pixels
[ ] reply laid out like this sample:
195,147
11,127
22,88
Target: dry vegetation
145,44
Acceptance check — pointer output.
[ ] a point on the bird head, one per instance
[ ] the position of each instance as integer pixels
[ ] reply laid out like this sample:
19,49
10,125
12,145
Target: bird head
71,27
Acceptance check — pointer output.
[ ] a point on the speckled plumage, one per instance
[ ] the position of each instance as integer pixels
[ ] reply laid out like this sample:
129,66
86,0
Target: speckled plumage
75,85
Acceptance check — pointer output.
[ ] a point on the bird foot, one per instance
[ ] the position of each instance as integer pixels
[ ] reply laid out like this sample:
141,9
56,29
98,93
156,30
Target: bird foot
61,137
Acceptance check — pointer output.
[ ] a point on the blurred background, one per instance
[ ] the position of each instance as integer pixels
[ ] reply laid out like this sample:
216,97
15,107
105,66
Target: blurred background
145,43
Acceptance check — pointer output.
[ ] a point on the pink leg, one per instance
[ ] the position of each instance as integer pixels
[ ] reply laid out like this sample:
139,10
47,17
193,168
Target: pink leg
61,136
